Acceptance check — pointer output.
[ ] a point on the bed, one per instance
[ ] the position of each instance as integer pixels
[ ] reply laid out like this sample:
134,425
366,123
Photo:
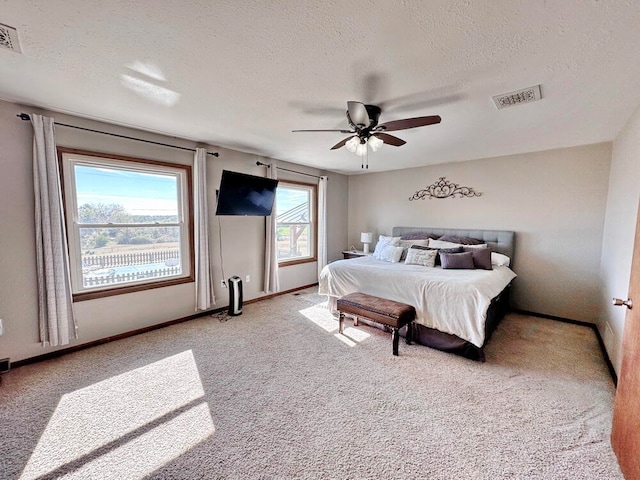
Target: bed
456,310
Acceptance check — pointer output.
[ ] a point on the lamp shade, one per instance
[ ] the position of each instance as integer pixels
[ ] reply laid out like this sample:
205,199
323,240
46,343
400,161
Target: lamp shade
366,237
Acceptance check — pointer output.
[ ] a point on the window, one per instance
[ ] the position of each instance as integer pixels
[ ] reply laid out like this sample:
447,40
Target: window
296,222
128,223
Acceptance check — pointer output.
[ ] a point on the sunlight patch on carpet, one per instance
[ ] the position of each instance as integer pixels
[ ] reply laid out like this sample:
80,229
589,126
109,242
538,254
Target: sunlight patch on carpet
142,418
356,334
321,316
153,449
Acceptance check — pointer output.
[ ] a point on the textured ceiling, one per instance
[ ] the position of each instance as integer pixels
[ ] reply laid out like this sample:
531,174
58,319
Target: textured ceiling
243,74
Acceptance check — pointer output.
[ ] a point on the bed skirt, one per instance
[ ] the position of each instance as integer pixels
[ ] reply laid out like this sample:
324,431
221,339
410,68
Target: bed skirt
446,342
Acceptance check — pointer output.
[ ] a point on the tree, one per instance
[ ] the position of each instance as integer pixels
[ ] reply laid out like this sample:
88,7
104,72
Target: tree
100,240
100,213
103,213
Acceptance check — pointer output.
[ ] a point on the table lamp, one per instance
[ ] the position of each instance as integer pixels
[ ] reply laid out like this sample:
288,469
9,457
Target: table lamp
366,238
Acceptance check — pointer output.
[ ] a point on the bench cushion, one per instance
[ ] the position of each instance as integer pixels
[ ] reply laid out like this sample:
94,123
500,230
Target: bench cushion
381,310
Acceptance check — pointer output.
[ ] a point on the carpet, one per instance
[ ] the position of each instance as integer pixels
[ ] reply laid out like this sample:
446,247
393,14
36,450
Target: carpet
277,393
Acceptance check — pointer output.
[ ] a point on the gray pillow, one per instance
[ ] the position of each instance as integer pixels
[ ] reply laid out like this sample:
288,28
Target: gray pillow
418,236
446,250
457,261
481,257
460,240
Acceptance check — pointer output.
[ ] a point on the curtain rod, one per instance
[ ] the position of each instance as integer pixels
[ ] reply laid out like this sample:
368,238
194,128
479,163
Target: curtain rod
25,117
260,164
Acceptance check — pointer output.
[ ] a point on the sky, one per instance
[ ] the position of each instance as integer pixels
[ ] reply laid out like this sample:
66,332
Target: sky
287,199
147,194
139,193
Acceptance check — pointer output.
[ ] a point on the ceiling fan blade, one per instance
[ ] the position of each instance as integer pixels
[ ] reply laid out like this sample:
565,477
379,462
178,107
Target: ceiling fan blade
409,123
341,143
389,139
341,131
358,114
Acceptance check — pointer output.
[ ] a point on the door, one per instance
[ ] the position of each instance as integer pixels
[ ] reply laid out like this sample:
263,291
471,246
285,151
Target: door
625,432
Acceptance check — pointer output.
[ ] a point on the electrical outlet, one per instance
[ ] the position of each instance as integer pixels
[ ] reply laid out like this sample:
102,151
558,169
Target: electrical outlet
247,278
1,327
223,284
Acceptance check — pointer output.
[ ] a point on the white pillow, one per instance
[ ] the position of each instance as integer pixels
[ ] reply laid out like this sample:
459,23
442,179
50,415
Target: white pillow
441,244
418,256
383,241
406,244
391,253
500,260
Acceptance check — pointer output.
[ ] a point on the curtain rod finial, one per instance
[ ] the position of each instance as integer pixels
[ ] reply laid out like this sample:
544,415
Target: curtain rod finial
23,116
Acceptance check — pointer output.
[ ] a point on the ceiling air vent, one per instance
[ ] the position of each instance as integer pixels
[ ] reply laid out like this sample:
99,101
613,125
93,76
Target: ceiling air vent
526,95
9,38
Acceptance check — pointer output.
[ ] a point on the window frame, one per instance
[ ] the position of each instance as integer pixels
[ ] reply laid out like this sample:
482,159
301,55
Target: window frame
70,209
313,223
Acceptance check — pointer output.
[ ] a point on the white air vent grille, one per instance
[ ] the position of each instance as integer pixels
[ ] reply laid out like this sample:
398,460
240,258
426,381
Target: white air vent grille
526,95
9,38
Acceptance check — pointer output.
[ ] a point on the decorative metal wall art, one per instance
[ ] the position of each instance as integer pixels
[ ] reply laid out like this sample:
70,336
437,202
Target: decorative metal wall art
443,188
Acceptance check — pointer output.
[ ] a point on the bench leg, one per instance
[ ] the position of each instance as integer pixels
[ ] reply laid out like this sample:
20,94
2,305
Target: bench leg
341,322
395,335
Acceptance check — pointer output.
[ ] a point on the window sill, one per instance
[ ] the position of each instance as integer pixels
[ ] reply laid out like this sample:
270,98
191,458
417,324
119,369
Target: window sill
94,294
288,263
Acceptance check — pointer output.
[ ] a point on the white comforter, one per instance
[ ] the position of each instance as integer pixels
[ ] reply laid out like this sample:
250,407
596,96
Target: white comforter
452,301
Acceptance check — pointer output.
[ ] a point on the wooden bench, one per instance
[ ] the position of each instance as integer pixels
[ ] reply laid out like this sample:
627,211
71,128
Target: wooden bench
380,310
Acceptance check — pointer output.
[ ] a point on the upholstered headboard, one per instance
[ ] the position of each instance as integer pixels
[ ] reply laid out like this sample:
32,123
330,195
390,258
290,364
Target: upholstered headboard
501,241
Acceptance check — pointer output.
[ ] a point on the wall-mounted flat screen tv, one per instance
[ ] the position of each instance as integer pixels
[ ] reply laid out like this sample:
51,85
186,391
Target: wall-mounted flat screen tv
243,194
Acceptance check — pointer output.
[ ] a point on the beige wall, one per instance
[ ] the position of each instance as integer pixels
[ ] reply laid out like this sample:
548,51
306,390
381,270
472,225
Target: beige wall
619,233
574,242
242,237
555,201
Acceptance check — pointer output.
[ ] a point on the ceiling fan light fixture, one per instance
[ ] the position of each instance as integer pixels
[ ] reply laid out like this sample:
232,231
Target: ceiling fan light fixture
375,143
361,149
352,144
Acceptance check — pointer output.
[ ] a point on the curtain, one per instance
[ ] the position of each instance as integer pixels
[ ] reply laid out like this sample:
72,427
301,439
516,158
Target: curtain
204,278
55,304
271,281
322,224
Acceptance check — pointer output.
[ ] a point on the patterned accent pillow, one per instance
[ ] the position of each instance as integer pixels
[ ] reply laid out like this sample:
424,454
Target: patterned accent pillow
458,249
383,241
391,253
481,257
421,256
461,261
406,244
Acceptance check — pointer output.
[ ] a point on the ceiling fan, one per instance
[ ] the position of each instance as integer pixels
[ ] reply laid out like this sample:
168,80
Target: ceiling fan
365,130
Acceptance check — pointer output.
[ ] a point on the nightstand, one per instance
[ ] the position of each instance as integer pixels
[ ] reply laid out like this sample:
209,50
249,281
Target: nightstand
355,253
